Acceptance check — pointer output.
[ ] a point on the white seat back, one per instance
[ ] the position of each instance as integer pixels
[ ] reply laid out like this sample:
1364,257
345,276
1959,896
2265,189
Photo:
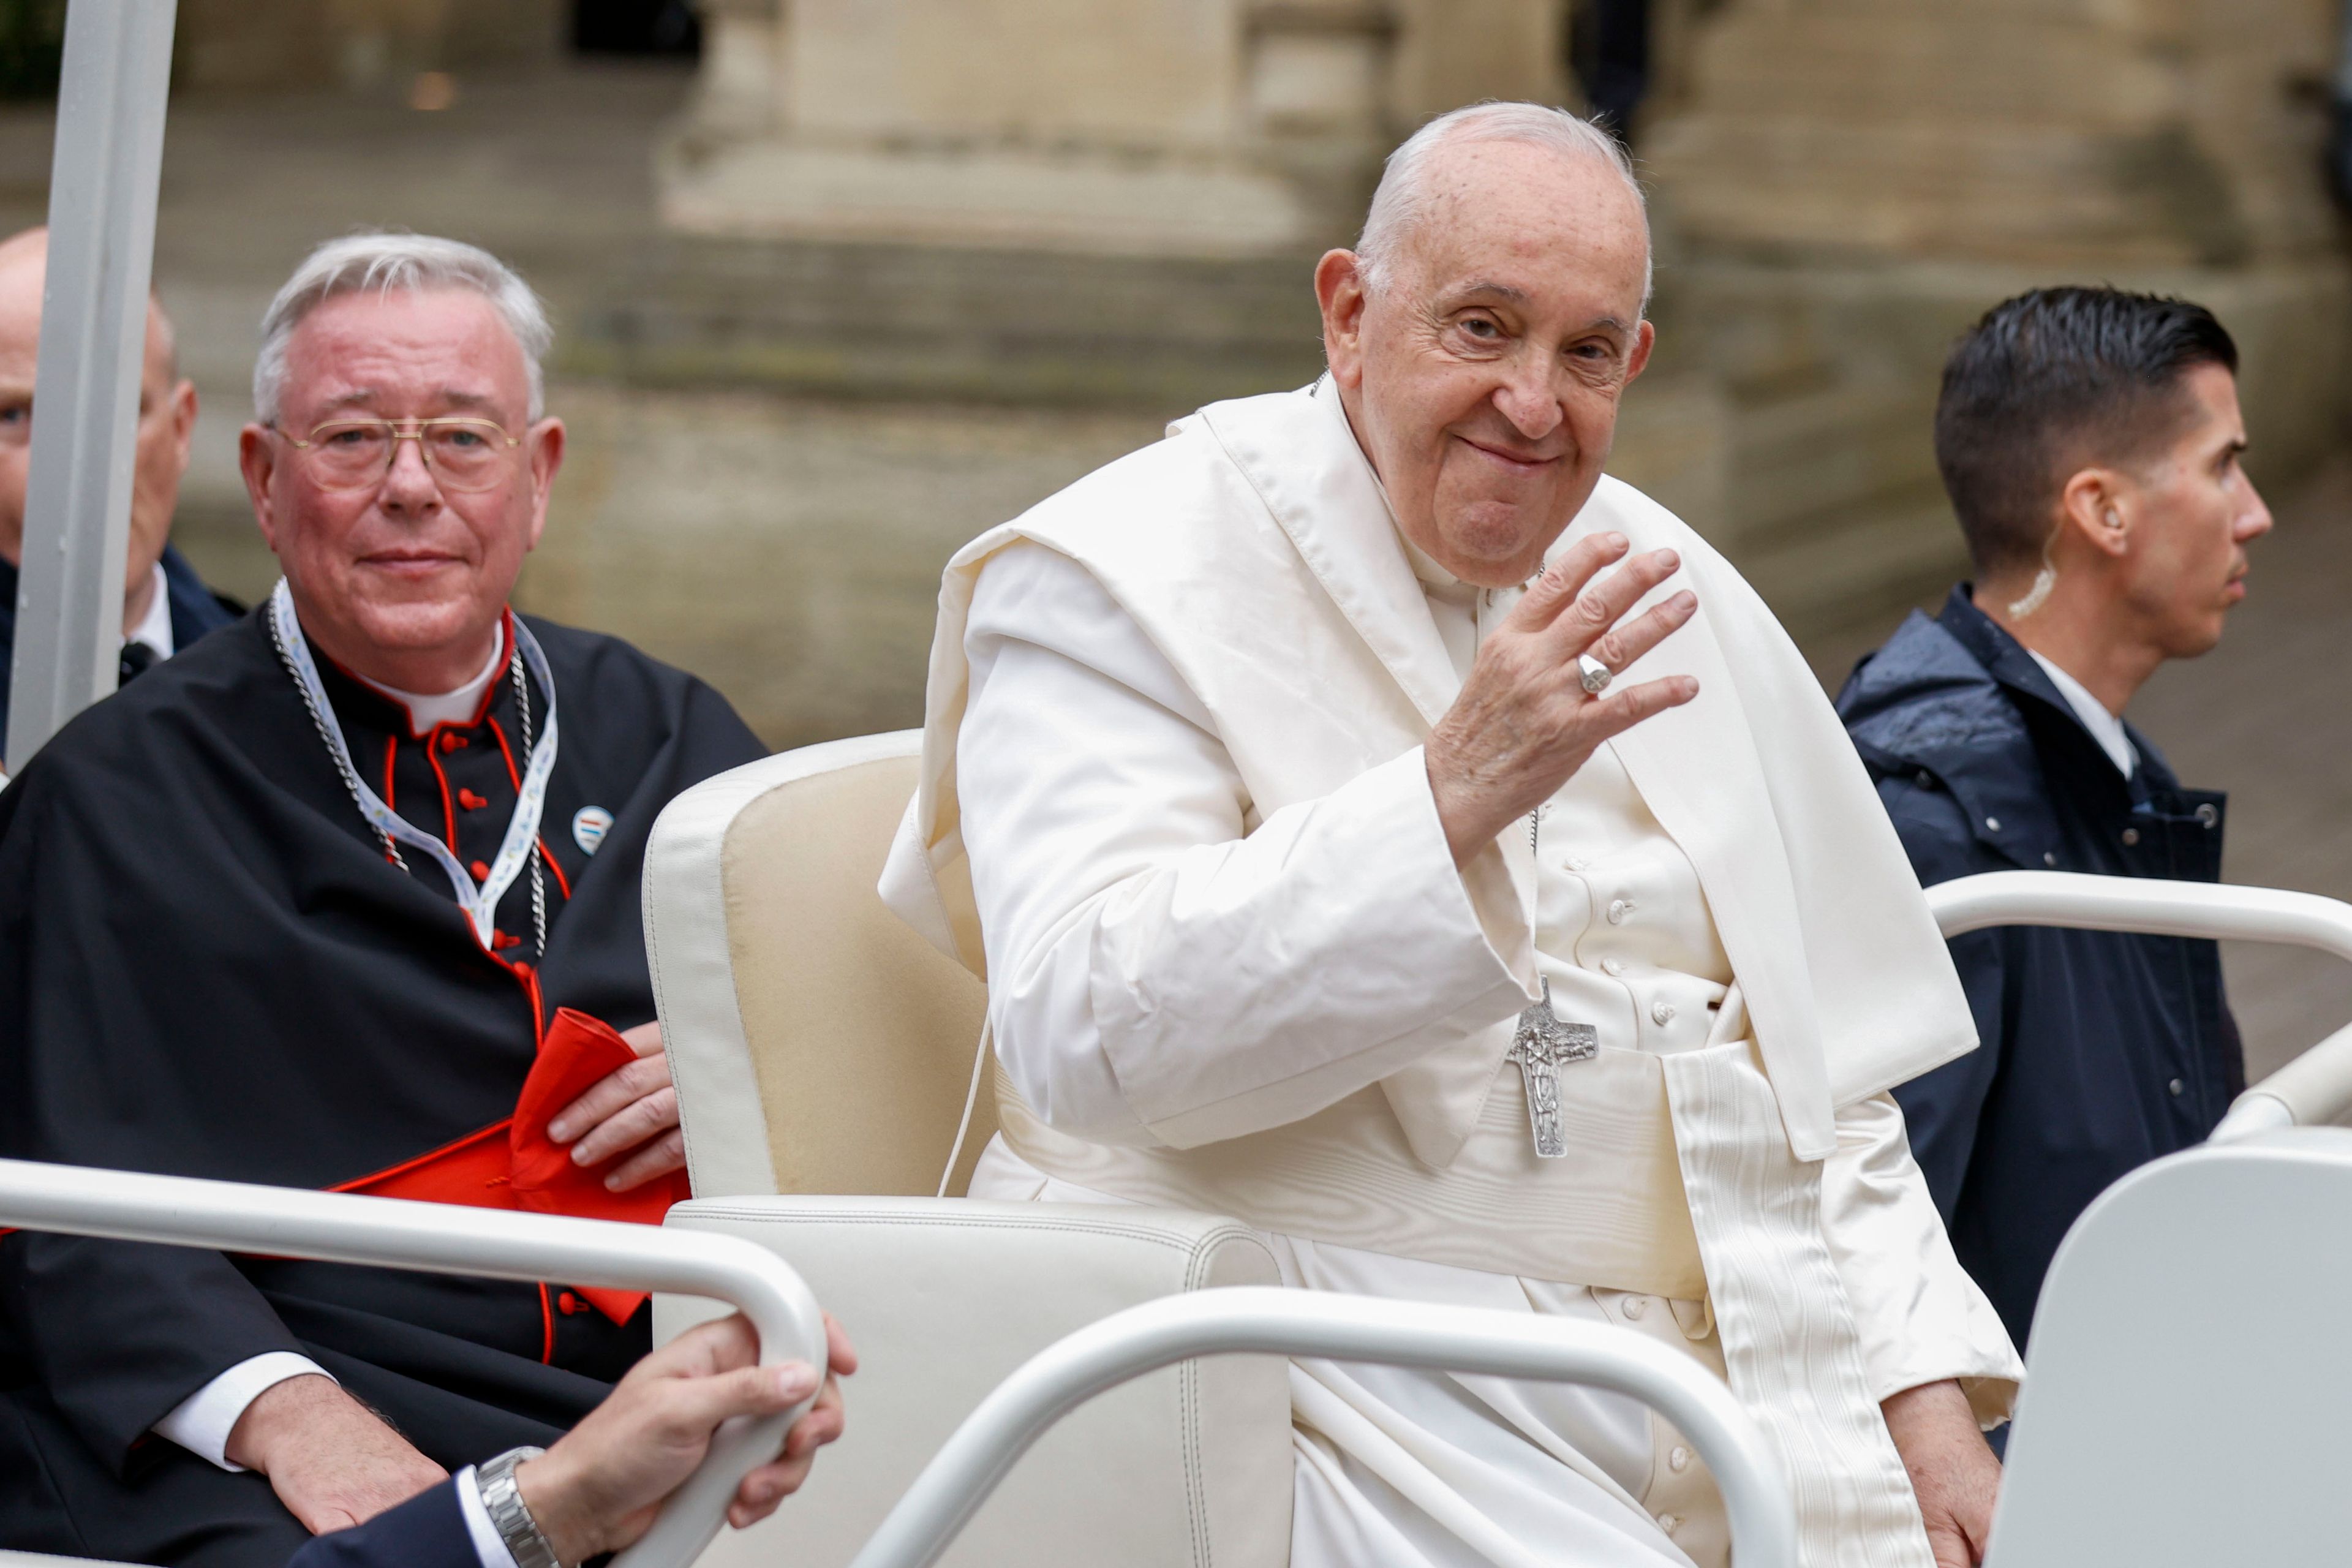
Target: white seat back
1182,1468
2188,1387
818,1043
820,1046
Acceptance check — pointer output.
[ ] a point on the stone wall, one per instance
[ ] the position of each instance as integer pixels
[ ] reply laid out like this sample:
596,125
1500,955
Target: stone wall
1846,185
1155,128
242,44
1080,201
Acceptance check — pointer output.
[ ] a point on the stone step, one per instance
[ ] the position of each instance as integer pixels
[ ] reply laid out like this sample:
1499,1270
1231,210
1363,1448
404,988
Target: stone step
879,321
2034,194
1949,65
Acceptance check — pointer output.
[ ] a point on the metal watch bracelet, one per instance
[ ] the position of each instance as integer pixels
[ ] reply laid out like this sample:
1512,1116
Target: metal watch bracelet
502,1500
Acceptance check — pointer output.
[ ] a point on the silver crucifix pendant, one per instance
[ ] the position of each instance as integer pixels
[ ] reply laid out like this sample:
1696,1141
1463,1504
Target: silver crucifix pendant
1542,1046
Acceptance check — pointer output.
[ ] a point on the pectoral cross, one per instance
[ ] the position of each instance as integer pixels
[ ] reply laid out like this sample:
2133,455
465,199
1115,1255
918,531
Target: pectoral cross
1540,1047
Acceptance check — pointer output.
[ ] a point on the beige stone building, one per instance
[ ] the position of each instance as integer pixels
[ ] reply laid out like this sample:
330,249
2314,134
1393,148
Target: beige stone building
1841,187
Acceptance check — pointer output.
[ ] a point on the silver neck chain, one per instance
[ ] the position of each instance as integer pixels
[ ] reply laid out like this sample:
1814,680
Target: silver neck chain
355,789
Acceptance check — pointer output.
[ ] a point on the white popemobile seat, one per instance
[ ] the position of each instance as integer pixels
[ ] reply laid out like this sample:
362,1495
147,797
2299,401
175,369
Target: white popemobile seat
820,1046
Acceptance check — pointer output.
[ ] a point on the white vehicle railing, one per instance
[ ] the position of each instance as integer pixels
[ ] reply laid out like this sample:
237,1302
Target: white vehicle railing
492,1244
2314,1088
383,1231
1266,1319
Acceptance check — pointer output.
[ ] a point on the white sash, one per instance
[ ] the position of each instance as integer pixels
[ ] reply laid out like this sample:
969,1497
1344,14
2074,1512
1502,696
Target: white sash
480,903
1790,1345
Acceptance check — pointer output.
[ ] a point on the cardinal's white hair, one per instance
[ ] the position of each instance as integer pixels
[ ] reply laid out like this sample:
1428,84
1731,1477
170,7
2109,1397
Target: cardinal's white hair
386,261
1402,201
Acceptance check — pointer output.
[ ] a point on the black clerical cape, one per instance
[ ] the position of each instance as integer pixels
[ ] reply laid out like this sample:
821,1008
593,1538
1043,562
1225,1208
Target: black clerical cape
209,967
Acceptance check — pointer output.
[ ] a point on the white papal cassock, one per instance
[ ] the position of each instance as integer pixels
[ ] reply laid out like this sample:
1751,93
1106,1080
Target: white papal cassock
1174,806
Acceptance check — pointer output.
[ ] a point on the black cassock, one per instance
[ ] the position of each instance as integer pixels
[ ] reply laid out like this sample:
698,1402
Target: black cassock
209,967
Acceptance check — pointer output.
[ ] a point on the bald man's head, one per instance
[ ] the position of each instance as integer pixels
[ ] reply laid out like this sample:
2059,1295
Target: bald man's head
1482,338
167,418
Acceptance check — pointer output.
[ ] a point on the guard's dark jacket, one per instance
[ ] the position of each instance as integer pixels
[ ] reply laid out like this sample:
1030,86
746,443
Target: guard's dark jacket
2101,1051
208,967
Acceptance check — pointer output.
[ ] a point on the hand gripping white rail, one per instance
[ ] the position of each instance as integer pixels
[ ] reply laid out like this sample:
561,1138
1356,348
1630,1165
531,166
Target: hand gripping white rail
1268,1321
2316,1087
492,1244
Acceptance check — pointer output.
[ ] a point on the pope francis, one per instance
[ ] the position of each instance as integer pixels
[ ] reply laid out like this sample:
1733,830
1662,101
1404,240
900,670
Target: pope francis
1375,824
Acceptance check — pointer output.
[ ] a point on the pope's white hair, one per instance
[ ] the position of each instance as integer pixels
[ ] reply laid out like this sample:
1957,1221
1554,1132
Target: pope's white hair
1402,201
386,262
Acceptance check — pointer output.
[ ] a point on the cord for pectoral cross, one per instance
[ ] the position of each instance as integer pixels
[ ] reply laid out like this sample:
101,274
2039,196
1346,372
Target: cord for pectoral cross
1543,1042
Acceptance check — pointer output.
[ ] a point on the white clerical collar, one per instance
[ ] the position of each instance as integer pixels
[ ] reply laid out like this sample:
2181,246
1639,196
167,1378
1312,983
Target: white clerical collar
1435,580
2105,727
428,708
154,628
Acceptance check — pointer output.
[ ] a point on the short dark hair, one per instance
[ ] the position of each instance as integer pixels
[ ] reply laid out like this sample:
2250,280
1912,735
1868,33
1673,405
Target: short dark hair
2048,382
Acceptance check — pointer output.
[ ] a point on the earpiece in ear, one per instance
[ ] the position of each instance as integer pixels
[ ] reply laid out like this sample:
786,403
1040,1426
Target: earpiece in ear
2043,581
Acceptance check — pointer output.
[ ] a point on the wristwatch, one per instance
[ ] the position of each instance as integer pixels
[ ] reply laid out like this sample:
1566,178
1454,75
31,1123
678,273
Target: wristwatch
502,1499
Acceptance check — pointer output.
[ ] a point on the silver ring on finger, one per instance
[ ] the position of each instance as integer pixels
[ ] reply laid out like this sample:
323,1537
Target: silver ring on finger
1592,675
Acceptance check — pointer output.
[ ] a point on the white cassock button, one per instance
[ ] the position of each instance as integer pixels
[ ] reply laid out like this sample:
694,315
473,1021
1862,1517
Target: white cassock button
1633,1307
2176,1086
1662,1011
1678,1460
1613,966
1992,825
1618,910
1670,1523
2050,857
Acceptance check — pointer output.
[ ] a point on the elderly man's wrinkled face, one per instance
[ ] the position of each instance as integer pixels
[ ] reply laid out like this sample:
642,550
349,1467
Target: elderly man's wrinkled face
403,577
1483,374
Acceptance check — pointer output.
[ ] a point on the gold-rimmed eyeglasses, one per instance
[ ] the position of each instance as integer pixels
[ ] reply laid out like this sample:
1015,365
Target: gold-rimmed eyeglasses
356,454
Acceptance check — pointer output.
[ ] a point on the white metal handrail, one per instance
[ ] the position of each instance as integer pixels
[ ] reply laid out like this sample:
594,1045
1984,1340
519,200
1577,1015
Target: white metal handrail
342,1229
2316,1087
338,1227
1267,1320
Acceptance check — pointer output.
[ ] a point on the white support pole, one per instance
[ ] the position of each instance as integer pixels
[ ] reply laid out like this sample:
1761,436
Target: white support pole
103,185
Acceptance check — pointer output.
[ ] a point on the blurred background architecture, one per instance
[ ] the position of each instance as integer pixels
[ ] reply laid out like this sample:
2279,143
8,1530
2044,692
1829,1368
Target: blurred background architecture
841,282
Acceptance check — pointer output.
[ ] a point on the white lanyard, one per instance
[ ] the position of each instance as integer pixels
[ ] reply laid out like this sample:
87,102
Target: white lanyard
480,903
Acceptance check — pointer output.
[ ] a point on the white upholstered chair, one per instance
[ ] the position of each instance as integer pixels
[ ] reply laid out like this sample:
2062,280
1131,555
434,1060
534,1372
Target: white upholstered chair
823,1053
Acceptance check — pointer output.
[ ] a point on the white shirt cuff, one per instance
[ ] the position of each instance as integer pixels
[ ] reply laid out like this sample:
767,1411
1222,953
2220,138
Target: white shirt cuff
489,1544
201,1422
